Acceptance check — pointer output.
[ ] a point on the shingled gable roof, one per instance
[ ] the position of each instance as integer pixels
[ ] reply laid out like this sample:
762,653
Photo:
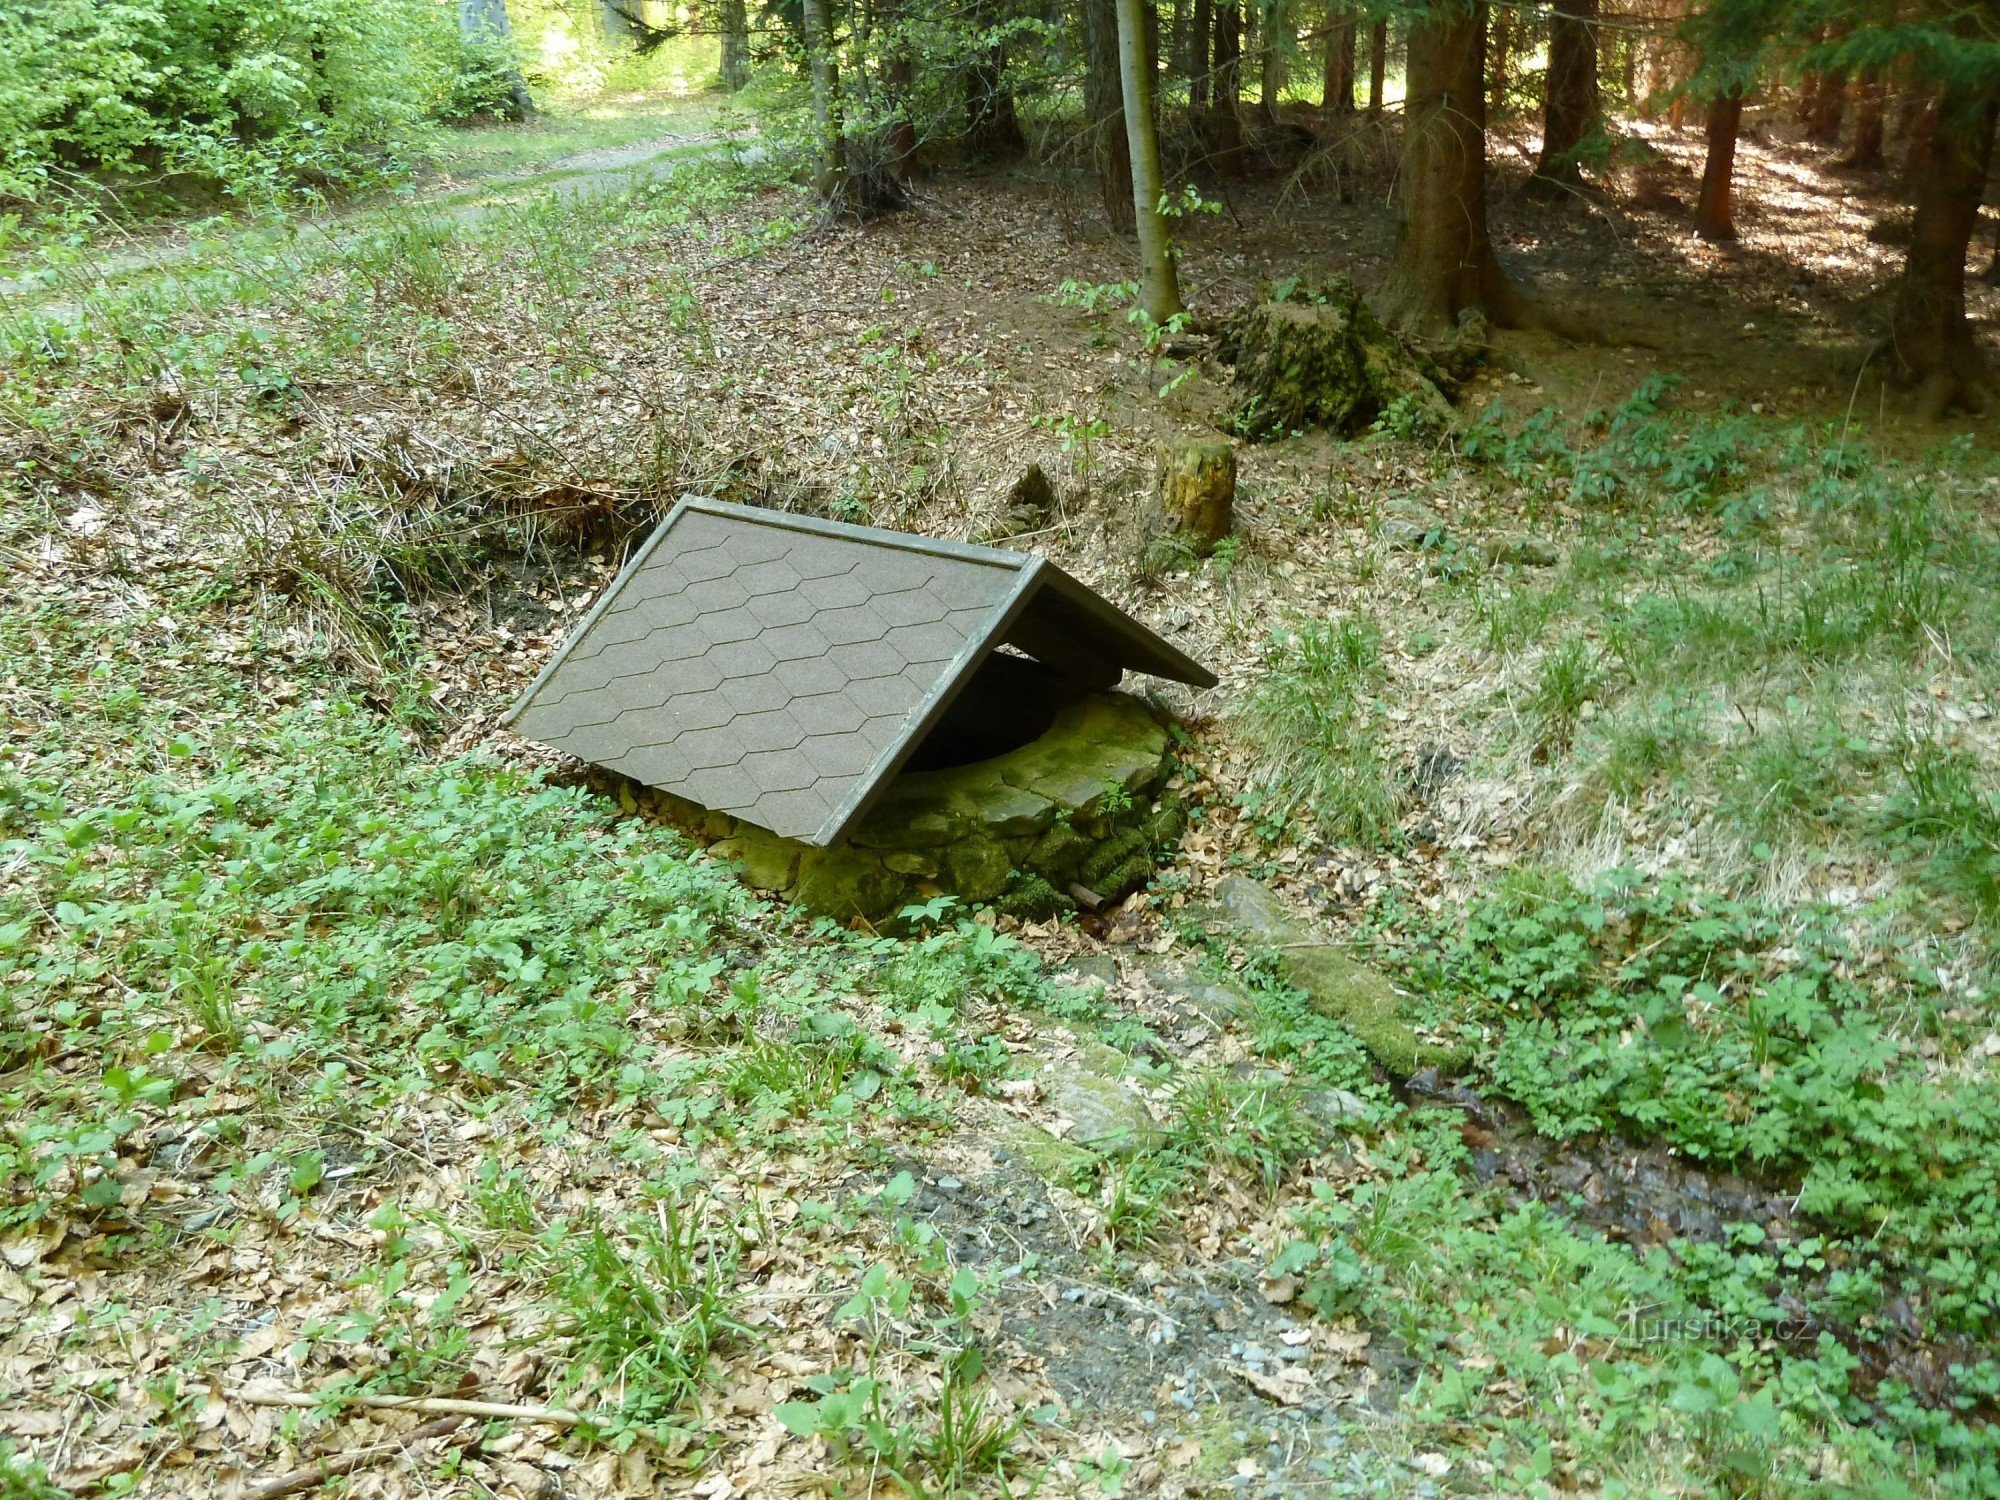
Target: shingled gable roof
782,668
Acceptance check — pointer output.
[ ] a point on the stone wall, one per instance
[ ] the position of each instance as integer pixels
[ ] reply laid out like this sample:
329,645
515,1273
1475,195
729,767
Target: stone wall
1079,807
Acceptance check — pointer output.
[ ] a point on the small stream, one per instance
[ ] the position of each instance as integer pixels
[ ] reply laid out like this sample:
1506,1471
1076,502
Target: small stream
1647,1196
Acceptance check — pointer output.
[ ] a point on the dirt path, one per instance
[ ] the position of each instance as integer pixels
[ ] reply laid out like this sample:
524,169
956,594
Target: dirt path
57,292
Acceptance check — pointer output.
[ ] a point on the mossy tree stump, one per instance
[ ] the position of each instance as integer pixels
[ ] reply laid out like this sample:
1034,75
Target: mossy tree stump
1197,490
1317,357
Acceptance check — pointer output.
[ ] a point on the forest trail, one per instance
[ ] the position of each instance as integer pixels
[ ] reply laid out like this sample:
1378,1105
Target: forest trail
54,290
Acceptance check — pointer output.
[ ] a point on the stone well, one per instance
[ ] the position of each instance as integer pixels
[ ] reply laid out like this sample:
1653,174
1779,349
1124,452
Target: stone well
1075,815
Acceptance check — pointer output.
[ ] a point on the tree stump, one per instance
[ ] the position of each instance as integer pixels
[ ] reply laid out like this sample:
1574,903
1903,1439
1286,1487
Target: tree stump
1197,490
1317,357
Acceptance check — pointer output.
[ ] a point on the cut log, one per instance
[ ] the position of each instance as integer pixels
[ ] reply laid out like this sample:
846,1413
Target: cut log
1197,489
1318,357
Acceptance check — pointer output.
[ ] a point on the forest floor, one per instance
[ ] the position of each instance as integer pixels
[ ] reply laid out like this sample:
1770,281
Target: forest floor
1642,729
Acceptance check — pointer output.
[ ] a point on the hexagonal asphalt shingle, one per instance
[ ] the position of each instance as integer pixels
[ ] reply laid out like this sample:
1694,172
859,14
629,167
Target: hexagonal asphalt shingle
775,666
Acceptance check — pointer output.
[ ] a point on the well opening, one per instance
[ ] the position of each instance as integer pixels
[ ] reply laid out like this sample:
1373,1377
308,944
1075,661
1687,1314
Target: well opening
1008,702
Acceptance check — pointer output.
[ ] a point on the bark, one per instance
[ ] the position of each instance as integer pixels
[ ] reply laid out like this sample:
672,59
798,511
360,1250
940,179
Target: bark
1715,210
1195,481
1930,343
1444,262
1378,64
1160,293
1570,99
1867,149
1225,124
484,23
1200,33
1829,108
735,70
1275,33
1338,93
899,141
1920,125
613,23
1104,112
829,148
1502,32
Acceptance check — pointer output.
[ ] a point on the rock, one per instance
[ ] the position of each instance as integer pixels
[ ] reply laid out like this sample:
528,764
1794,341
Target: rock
1346,990
1407,526
846,883
979,868
1109,1118
1336,984
1196,487
1521,551
1253,907
1217,1004
1334,1108
1101,968
1061,1162
1317,357
769,863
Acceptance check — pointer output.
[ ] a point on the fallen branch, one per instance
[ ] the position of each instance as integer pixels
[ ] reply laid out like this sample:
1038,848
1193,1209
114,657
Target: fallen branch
428,1405
317,1473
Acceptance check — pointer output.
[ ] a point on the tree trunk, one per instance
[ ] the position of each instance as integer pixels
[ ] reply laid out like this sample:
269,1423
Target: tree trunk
1200,33
1160,293
1502,32
1226,120
1930,342
1378,64
1104,112
1444,262
1867,152
992,126
1715,210
1275,34
735,70
829,149
1829,108
1338,94
1570,100
1920,123
484,23
613,23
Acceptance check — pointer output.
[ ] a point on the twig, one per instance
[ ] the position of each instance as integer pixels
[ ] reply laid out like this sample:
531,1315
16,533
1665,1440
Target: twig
313,1475
430,1405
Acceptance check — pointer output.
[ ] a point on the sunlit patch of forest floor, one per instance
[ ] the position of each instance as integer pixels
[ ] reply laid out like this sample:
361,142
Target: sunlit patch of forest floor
352,1050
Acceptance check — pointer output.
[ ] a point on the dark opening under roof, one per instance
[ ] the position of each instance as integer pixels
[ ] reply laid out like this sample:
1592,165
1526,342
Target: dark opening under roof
782,668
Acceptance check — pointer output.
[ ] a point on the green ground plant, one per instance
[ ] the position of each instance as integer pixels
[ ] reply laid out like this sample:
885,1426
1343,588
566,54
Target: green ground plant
1311,719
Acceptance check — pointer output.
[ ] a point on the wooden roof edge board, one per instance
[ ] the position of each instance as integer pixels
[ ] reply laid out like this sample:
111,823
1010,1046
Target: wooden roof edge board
959,672
1167,660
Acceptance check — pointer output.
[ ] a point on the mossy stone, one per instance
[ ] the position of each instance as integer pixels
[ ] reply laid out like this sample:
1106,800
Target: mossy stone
1336,984
978,868
769,863
1058,853
1111,865
845,882
1109,1119
1030,898
1061,1163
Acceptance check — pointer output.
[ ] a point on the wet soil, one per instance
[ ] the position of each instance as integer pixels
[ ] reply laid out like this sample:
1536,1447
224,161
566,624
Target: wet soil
1648,1197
